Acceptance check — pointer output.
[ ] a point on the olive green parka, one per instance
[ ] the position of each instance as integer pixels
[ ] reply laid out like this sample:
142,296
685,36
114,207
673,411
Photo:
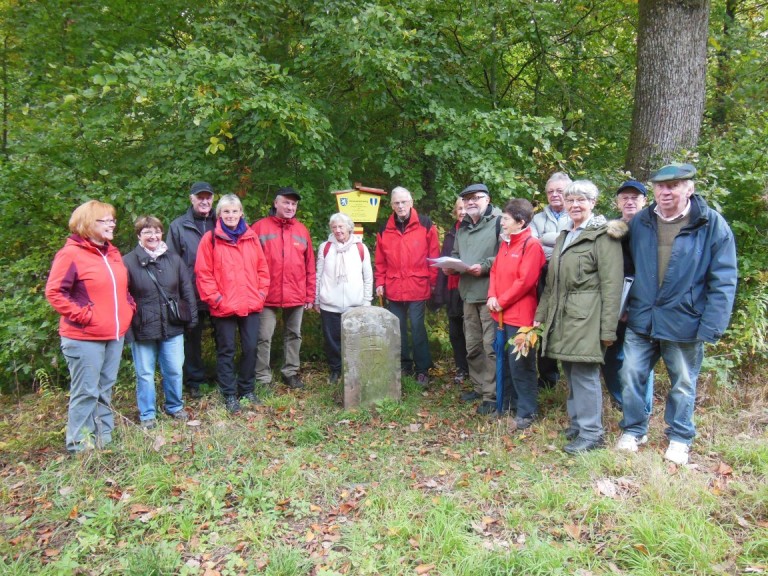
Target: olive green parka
580,304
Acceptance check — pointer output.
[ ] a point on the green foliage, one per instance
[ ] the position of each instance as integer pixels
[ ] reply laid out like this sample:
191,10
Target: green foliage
129,103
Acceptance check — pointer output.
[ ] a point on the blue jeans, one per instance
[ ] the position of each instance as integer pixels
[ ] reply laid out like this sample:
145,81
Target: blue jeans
170,354
525,387
683,362
614,359
93,368
421,361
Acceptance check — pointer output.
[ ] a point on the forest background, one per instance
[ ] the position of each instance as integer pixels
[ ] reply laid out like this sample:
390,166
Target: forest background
129,102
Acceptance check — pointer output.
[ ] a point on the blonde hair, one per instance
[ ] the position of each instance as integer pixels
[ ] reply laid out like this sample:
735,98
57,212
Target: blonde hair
147,222
83,219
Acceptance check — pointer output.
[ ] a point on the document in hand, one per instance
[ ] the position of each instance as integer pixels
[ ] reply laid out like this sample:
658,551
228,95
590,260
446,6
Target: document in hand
446,262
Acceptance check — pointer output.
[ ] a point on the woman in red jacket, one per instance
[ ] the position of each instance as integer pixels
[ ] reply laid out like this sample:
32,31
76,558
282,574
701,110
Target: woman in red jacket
88,286
233,279
512,292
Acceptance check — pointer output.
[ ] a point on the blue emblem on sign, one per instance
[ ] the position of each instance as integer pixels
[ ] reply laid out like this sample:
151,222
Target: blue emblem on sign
373,201
344,201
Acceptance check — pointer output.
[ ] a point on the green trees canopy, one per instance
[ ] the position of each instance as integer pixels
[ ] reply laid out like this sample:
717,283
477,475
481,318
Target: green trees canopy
130,102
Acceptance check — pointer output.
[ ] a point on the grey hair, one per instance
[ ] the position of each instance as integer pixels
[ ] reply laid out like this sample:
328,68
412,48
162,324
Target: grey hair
403,190
340,217
558,176
584,188
226,200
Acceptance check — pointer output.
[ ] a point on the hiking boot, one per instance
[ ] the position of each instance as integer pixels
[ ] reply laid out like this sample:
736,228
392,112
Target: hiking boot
194,391
582,445
252,399
487,407
630,443
232,404
571,433
459,378
422,380
524,423
677,452
148,424
334,377
182,415
470,396
293,382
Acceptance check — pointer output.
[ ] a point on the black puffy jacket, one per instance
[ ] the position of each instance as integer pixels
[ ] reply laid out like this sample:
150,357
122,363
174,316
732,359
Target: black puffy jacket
150,322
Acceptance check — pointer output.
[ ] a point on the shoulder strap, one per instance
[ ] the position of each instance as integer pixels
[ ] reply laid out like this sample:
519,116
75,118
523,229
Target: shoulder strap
425,221
160,288
360,250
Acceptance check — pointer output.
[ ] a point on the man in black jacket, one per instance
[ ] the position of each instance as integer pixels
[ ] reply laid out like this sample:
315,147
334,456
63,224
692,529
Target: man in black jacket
184,236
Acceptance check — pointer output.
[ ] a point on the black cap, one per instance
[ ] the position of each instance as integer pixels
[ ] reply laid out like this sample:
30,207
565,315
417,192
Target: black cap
198,187
674,171
472,188
287,191
633,184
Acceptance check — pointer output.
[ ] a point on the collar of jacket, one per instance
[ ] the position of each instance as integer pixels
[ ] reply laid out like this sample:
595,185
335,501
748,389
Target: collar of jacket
698,214
487,215
283,222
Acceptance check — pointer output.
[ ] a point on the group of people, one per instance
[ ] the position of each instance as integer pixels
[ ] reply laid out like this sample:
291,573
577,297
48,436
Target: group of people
610,296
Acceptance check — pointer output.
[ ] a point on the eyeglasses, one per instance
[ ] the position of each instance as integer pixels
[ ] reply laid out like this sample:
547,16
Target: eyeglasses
475,198
107,221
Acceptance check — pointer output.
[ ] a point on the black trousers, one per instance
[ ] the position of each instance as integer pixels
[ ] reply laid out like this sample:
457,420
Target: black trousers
239,384
331,325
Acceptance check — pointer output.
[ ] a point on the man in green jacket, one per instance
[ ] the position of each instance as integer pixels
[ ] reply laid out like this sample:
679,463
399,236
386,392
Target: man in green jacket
477,241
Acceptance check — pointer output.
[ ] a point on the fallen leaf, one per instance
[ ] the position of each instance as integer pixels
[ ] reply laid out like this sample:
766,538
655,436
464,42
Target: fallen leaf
424,568
66,491
158,443
51,552
573,530
193,423
723,469
606,487
642,548
310,536
73,513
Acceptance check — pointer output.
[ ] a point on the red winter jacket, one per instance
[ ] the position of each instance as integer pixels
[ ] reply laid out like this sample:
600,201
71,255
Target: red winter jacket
88,286
401,259
233,279
287,246
515,276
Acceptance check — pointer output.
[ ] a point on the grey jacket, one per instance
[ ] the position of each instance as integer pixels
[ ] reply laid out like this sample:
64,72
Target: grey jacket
547,228
477,244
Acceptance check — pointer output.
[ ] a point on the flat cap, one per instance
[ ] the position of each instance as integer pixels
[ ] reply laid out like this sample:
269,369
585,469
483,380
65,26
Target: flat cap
473,188
674,171
198,187
634,184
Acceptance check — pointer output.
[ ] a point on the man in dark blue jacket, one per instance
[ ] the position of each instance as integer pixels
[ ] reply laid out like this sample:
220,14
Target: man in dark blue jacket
685,282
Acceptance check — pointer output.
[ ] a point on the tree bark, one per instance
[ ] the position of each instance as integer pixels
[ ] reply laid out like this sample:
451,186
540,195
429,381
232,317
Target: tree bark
670,84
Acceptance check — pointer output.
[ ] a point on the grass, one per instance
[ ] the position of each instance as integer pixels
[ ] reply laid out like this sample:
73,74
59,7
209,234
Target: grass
424,486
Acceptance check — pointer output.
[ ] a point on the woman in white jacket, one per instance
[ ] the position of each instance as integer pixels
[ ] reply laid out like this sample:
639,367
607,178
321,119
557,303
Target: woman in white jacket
344,281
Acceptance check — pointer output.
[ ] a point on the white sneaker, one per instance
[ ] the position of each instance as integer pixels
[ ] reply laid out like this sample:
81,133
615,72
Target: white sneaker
677,452
630,443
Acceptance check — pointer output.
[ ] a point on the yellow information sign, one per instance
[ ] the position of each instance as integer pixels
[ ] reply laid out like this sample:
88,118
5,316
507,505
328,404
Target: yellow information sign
361,203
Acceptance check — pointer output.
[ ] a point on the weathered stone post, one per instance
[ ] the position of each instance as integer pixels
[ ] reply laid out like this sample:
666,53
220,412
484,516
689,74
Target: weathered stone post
370,352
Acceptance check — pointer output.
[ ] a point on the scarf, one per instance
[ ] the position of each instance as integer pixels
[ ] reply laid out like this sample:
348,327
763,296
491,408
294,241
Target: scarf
234,235
340,272
162,248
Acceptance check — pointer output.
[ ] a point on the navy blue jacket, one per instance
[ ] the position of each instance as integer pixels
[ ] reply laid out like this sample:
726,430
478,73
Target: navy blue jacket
695,299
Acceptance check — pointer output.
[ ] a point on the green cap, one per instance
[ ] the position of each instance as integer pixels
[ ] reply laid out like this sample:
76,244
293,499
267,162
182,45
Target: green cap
674,171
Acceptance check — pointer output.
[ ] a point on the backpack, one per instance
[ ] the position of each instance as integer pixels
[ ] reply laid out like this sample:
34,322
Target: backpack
360,250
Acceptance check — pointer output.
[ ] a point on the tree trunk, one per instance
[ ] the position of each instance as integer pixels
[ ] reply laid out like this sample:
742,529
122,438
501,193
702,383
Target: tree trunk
670,82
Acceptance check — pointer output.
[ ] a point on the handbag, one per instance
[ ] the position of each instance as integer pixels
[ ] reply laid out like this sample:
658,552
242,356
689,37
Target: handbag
179,313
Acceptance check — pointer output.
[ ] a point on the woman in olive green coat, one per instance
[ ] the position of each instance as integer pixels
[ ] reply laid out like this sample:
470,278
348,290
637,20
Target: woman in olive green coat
579,309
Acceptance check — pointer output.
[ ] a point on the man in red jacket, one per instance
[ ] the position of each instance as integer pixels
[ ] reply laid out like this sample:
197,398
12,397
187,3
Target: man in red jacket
291,259
405,278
